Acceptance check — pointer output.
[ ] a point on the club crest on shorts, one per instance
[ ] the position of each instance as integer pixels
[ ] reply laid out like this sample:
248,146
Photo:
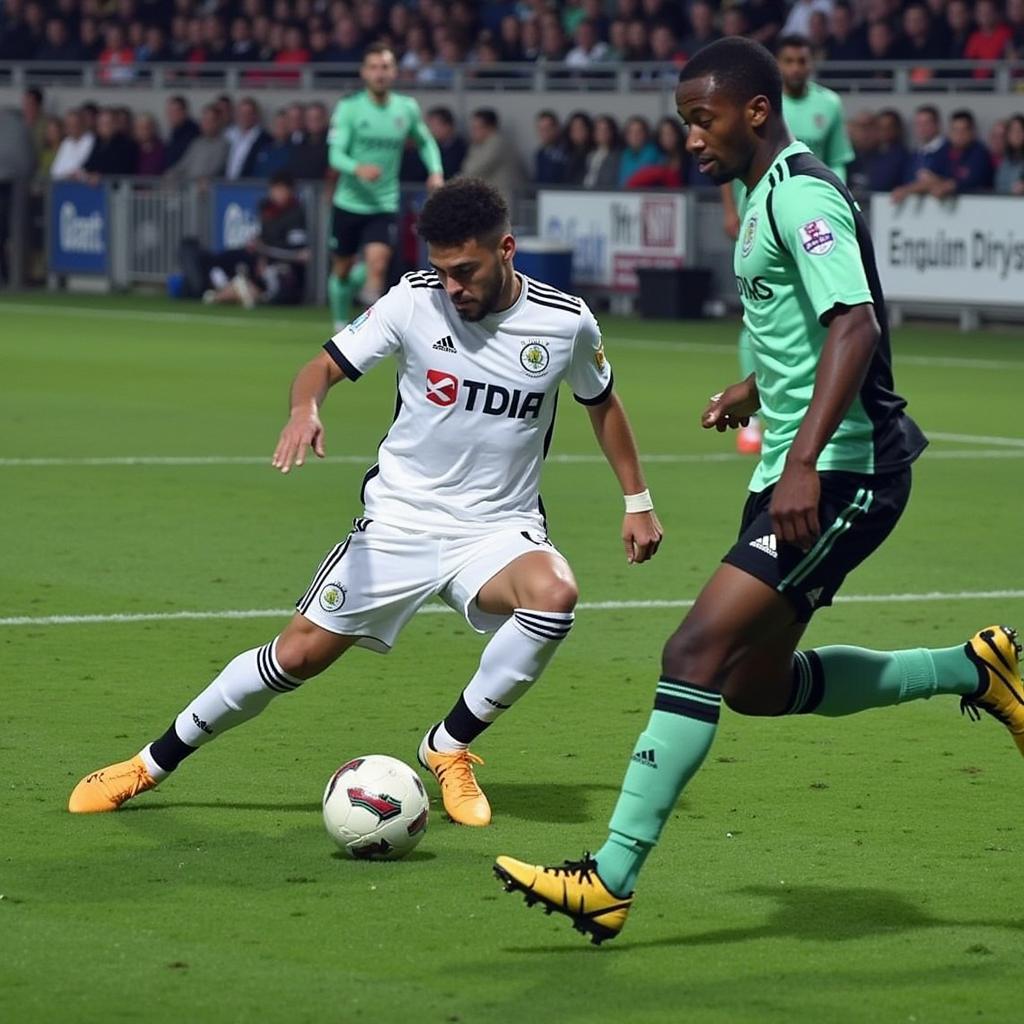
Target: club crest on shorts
535,357
816,237
332,597
749,233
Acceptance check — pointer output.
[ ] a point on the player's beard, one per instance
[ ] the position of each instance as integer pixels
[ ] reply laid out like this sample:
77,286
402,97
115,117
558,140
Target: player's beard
487,303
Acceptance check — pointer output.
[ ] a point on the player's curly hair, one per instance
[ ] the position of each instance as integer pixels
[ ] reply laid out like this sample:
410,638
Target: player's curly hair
740,68
465,209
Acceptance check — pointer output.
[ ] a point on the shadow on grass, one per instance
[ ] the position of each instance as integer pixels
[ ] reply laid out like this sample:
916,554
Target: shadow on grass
221,805
416,855
814,913
561,803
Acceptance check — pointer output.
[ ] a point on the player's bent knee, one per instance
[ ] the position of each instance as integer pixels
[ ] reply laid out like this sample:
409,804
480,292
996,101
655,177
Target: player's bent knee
694,653
554,595
306,653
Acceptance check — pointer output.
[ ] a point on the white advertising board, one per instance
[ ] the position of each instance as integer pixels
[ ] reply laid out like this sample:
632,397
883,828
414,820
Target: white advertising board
963,251
613,233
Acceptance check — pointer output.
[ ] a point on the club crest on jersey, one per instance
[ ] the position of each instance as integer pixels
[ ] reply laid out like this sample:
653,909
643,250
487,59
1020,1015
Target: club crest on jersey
332,597
749,232
535,357
816,237
599,357
442,387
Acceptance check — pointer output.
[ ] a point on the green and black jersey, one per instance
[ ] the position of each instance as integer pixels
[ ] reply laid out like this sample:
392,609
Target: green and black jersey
803,254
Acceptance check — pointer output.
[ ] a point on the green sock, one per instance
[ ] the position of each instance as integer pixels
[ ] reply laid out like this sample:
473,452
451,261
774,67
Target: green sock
357,278
837,681
666,756
339,298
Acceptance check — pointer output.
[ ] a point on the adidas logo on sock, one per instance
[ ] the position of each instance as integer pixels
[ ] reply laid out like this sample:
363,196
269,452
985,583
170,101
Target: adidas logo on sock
201,724
645,757
767,544
445,344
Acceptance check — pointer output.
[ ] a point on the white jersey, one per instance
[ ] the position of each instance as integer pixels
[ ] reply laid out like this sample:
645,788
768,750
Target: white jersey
476,402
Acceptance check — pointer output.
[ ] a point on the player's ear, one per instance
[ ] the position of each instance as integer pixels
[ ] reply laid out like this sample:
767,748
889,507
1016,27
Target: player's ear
507,248
758,110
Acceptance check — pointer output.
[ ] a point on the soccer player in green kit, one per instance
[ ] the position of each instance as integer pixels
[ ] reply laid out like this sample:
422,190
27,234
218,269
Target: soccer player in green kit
814,115
833,479
365,144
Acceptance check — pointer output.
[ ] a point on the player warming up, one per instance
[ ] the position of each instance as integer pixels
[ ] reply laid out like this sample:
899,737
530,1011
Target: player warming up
814,115
366,140
833,479
452,506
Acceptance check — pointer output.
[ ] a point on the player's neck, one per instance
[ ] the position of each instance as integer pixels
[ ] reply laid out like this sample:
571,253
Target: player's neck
774,142
509,294
380,98
798,94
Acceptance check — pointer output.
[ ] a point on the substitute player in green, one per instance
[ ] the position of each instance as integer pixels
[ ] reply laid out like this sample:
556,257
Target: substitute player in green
366,140
815,116
833,480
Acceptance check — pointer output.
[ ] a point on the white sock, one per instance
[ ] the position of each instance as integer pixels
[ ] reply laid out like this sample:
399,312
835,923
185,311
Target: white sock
515,657
241,691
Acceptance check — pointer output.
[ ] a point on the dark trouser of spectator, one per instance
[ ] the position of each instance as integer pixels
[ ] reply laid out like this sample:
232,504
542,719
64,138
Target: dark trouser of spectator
203,270
277,283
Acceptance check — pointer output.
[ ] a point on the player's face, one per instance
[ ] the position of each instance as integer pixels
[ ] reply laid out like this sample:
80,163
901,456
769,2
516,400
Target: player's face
473,275
379,72
721,133
795,65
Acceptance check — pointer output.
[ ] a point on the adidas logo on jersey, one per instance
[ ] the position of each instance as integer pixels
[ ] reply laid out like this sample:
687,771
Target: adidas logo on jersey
645,757
814,596
766,544
445,344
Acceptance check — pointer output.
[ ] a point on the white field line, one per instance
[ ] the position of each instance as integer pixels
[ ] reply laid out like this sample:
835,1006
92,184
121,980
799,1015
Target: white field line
1014,449
301,327
1009,442
438,609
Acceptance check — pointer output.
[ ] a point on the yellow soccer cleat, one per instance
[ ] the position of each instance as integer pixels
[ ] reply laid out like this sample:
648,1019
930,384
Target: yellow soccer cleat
996,652
464,800
108,788
575,889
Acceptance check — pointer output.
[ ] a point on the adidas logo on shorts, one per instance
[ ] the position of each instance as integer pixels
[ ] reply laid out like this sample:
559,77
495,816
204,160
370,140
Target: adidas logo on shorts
766,544
445,344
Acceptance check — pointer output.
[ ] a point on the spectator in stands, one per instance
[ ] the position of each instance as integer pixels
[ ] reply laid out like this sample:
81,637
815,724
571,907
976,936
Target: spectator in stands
53,135
888,164
996,141
530,36
309,157
271,268
763,20
579,144
551,159
670,170
959,26
735,22
991,39
154,49
817,36
90,42
348,42
152,159
1015,23
206,155
602,171
246,141
418,53
117,59
553,44
34,119
17,162
320,50
929,163
452,145
917,41
89,111
881,41
113,154
492,156
1009,179
589,49
862,130
183,129
58,45
510,38
665,48
296,117
74,149
844,42
702,29
640,151
295,50
638,44
970,163
798,21
242,48
274,157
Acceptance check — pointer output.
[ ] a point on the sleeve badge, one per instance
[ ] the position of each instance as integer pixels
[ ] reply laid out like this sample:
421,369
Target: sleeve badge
816,237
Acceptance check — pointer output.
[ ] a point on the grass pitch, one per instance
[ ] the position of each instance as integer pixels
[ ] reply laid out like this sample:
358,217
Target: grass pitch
863,869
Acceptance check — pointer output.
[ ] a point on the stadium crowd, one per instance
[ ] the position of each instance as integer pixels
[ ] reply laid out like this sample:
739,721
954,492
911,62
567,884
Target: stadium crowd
431,37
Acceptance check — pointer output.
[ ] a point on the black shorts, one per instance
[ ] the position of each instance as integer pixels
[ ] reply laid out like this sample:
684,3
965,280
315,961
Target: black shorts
351,231
856,513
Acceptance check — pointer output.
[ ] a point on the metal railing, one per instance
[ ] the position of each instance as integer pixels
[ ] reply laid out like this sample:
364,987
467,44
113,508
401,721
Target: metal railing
998,77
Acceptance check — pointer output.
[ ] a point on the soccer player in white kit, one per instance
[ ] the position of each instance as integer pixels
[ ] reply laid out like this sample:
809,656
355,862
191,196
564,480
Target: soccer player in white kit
452,507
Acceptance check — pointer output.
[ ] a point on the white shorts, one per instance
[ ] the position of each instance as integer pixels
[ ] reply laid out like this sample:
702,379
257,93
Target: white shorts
372,583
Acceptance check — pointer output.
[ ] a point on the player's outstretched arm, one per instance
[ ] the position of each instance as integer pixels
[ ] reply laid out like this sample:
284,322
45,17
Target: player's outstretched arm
845,357
304,429
641,531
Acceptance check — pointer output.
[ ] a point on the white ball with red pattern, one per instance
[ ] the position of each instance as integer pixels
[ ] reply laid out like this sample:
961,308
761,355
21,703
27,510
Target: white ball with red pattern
375,808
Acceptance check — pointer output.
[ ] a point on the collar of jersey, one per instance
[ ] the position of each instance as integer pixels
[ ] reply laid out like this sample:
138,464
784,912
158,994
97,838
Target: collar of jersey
764,181
493,319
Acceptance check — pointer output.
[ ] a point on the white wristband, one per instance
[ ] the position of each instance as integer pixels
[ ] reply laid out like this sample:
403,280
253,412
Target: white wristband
639,502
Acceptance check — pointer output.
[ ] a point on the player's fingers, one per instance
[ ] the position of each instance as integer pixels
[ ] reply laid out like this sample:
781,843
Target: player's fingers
318,444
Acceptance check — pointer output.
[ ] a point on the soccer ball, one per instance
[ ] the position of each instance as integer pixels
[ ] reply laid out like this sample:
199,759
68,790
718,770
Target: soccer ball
375,808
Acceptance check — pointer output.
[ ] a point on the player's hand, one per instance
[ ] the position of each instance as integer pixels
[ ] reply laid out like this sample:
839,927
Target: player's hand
367,172
434,182
731,408
731,224
304,430
641,533
794,507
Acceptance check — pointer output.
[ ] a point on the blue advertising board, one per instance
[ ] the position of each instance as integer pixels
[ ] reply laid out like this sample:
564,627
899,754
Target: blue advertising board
79,236
236,214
